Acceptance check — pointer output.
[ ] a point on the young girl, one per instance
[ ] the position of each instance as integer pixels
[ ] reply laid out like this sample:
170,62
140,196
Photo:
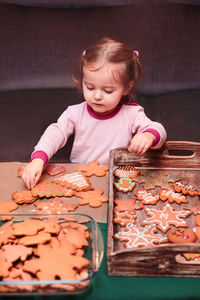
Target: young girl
107,119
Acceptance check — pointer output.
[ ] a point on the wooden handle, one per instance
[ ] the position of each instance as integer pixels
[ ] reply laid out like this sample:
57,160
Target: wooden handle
194,147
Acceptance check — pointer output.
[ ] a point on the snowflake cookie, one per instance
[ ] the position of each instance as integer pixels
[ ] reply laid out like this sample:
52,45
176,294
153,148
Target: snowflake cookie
140,237
165,217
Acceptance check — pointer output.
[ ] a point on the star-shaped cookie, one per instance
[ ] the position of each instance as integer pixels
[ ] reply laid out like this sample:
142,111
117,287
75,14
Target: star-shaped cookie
165,217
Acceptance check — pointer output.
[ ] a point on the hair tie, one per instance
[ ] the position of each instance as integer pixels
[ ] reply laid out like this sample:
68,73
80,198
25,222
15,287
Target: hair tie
136,53
84,52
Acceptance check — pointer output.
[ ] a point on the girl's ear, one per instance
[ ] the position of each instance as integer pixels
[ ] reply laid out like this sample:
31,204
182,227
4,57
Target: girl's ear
130,85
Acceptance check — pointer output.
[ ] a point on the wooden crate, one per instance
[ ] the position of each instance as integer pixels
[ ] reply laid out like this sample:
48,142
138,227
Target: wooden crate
179,160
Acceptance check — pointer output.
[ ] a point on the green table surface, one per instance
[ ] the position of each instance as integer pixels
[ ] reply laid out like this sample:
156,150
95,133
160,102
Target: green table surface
106,287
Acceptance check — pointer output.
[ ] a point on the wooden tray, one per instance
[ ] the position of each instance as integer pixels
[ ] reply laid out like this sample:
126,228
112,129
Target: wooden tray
180,160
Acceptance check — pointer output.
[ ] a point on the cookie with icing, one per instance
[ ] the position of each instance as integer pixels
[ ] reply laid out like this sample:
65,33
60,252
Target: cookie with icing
55,169
125,185
75,180
146,197
172,196
127,172
185,188
124,217
165,217
135,237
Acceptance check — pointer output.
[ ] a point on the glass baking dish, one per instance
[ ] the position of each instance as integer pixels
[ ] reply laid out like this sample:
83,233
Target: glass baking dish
93,252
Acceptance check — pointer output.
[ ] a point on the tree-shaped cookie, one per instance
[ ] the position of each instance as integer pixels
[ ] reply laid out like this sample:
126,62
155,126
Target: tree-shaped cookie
93,198
94,168
50,189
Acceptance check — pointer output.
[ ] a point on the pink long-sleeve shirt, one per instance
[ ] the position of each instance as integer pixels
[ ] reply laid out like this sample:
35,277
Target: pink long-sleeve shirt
96,135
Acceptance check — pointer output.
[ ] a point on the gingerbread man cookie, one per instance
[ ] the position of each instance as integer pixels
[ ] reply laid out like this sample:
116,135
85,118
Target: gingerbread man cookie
93,198
93,168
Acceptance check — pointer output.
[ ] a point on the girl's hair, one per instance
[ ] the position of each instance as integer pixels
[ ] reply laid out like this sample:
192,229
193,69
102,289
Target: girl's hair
107,50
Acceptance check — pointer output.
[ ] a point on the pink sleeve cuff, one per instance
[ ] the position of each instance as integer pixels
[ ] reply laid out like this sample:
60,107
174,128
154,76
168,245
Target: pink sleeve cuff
40,154
156,134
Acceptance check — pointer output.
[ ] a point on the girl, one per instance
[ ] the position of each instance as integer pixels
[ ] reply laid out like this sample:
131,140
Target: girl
107,119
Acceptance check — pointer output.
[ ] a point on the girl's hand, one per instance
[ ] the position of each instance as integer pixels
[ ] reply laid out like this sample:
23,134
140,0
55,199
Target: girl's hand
32,172
141,142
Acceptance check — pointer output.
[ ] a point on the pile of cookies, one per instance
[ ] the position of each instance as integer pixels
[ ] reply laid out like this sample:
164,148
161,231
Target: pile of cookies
156,209
67,185
53,249
44,250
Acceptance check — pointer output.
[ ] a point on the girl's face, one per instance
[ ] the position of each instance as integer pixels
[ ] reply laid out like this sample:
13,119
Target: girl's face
101,89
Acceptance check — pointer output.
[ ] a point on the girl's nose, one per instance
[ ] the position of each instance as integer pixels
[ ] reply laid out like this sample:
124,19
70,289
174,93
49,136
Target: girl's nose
98,95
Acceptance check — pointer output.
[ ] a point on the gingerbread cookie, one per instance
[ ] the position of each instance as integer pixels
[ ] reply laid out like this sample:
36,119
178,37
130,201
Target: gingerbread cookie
93,168
130,205
165,217
197,220
6,233
50,189
4,267
14,252
76,181
24,196
55,262
20,171
195,210
140,237
191,256
197,232
75,236
6,207
185,188
54,169
154,178
124,217
172,196
27,227
55,206
39,238
127,172
93,198
181,236
146,197
125,185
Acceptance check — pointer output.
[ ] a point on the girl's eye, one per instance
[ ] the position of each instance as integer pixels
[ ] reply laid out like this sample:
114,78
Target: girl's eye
108,92
90,88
